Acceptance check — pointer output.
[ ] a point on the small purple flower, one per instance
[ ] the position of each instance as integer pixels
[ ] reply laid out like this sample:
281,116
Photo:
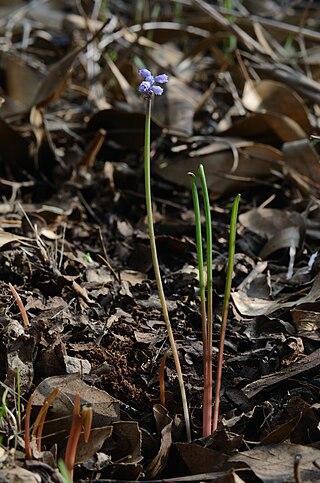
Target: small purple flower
161,78
157,90
145,73
147,86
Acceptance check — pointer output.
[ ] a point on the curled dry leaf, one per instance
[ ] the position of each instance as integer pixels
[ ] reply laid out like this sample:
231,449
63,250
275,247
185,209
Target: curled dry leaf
225,171
267,125
21,95
274,97
54,83
18,475
302,165
297,80
7,238
199,459
126,442
306,319
105,408
123,126
307,363
283,230
253,306
164,429
182,101
275,463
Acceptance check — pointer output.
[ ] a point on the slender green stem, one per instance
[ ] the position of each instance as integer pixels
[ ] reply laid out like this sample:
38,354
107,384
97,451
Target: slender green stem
195,197
227,291
156,268
207,403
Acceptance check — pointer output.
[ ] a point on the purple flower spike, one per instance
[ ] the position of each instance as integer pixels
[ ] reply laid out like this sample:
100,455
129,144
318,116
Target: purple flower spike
147,86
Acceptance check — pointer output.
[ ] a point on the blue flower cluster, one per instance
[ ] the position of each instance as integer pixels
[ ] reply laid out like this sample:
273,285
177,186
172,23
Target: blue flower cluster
147,86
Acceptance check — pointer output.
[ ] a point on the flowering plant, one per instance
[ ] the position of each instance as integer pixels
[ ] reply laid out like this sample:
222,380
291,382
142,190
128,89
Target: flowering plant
148,88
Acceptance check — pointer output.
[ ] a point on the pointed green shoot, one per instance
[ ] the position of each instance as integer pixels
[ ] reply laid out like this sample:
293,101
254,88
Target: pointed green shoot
227,291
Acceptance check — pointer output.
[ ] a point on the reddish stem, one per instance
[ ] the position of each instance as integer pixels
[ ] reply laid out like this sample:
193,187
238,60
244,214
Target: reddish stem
19,302
78,420
27,445
161,379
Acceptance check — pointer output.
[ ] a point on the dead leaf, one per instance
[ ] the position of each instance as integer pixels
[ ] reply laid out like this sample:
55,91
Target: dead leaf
182,101
296,79
123,126
302,165
97,438
274,97
54,83
126,442
305,364
275,463
105,408
224,173
306,319
264,124
23,94
283,230
254,306
199,459
164,428
17,475
6,238
282,432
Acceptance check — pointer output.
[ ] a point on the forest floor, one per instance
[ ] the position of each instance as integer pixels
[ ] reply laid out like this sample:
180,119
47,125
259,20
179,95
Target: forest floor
243,100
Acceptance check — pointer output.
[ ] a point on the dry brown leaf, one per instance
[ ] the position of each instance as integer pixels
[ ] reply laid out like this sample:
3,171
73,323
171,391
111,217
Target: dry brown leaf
254,306
21,93
199,459
164,428
224,172
306,319
14,149
6,238
275,97
105,408
282,432
283,230
85,451
302,165
266,123
306,363
54,83
297,80
267,222
267,8
125,127
18,475
128,441
182,101
275,463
